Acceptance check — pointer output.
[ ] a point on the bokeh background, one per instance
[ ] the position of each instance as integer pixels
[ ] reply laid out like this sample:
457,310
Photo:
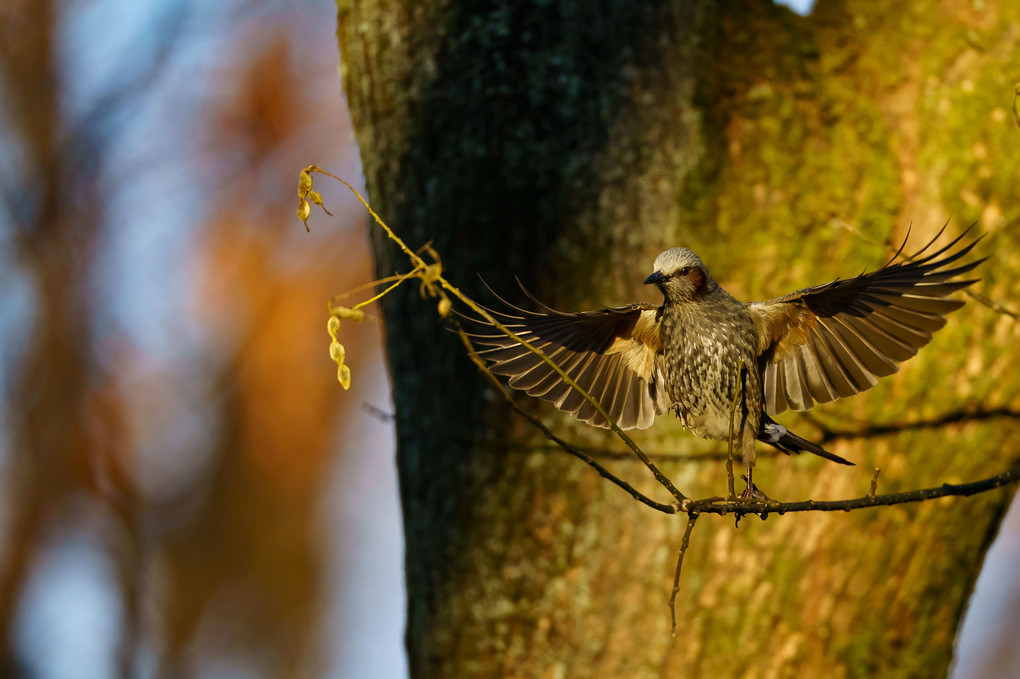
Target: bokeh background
186,490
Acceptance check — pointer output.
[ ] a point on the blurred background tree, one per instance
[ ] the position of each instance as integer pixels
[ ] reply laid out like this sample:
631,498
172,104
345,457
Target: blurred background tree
185,489
182,481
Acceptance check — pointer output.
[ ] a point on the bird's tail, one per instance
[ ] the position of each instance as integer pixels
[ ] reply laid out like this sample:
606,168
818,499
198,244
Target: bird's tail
780,437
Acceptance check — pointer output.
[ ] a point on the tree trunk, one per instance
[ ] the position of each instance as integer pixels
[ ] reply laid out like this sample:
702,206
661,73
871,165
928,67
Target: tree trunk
567,143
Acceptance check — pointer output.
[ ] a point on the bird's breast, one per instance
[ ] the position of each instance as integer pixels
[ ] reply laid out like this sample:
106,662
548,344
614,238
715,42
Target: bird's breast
703,351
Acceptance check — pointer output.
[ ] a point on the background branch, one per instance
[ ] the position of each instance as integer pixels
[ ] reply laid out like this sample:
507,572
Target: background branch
876,430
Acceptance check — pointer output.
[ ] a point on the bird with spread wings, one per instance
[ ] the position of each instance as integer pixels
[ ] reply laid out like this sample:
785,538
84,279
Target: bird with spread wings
725,367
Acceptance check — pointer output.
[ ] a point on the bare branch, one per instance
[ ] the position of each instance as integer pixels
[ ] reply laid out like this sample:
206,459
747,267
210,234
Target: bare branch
733,416
874,483
684,544
877,430
991,304
723,507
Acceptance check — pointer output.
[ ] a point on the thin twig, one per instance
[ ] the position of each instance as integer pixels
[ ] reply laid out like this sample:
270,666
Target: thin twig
573,450
874,483
684,544
730,482
419,263
991,304
377,412
976,296
367,286
1016,111
877,430
733,416
400,279
416,260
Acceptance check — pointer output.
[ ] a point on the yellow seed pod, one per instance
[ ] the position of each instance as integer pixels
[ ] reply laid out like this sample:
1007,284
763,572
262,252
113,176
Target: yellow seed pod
332,325
349,314
304,183
316,198
337,353
444,307
343,373
303,211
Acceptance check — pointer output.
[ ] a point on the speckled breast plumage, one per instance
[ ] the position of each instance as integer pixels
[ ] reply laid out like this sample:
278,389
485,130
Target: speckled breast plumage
703,344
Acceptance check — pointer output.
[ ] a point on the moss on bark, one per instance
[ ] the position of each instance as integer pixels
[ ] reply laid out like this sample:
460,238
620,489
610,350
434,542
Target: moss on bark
567,143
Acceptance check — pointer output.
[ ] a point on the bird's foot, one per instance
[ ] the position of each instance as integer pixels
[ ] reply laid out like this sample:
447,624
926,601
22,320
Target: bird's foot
752,493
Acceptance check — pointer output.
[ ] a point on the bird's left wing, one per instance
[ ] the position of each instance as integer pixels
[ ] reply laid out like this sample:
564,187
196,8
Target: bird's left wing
609,353
835,340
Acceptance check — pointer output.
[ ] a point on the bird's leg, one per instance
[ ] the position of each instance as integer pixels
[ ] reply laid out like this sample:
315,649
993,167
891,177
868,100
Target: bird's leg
752,492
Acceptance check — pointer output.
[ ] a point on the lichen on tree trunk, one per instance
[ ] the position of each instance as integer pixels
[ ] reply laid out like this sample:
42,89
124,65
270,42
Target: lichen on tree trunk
567,143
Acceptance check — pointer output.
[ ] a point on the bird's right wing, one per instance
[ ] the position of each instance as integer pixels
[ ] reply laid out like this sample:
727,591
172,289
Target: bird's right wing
837,339
608,353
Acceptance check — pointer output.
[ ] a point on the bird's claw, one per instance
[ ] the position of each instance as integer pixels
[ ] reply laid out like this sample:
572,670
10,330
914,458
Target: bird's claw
752,493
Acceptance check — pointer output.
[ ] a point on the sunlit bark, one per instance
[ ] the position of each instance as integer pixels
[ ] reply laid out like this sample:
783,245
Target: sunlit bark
567,143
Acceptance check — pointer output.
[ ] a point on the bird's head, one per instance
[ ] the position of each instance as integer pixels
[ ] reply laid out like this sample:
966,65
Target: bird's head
681,276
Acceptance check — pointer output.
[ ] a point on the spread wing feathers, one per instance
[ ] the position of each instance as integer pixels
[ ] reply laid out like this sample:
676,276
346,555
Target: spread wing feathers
609,353
836,340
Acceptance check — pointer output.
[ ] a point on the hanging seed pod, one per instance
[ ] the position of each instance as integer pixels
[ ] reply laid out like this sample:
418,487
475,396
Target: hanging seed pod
337,353
444,307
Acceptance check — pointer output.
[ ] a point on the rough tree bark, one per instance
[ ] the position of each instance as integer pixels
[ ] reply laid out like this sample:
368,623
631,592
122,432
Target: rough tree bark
567,143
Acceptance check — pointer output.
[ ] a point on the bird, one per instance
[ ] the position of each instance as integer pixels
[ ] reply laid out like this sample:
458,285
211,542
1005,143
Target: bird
724,367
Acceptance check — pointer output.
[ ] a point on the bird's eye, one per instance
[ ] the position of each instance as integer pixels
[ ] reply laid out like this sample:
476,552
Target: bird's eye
684,271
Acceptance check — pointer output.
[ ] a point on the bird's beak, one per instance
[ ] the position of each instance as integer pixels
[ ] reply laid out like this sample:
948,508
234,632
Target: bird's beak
655,278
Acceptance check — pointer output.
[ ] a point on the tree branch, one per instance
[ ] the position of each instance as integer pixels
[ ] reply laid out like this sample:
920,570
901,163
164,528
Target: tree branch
684,544
877,430
722,506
